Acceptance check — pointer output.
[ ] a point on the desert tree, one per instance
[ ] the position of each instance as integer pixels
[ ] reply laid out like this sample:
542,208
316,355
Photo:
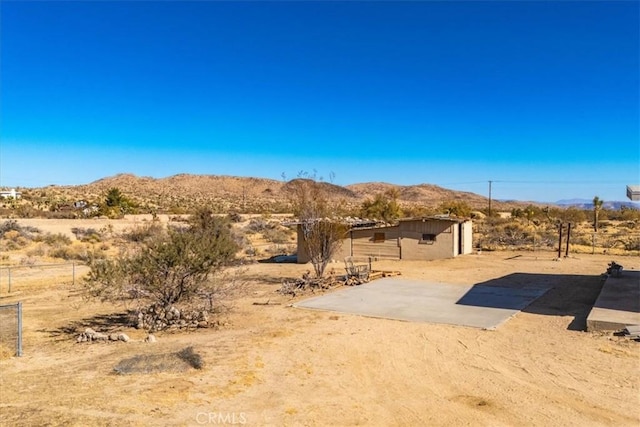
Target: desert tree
597,206
318,220
177,267
383,206
116,204
455,208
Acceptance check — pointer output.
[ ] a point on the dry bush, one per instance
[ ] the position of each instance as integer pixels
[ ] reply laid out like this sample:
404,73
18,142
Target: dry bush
57,239
27,232
87,234
143,233
38,251
76,252
278,235
12,240
259,225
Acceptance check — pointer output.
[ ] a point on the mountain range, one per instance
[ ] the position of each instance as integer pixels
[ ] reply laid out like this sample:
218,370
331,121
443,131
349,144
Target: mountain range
187,190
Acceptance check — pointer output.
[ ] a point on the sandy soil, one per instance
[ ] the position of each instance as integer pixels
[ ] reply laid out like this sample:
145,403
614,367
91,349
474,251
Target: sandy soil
278,365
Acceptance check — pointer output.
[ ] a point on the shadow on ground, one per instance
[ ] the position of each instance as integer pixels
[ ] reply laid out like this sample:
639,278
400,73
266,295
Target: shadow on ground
568,295
105,323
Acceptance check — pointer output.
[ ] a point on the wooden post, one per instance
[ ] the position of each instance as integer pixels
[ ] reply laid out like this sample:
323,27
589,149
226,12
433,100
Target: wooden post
566,254
561,226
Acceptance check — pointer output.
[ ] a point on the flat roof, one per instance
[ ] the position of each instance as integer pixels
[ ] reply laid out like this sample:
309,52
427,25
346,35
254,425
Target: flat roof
435,218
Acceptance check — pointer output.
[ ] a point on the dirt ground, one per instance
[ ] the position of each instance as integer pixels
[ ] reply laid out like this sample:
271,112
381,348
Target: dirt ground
282,366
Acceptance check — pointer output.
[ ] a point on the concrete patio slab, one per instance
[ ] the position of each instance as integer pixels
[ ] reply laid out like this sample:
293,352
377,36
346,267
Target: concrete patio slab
417,301
618,304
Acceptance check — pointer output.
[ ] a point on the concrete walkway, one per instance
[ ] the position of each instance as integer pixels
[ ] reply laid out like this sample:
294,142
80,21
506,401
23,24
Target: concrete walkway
618,304
417,301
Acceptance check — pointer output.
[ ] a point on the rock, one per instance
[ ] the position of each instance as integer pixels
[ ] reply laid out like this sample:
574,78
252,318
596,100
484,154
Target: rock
113,337
150,338
98,336
123,337
89,331
202,324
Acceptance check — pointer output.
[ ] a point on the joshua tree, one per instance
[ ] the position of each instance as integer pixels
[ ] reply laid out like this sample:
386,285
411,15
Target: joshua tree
597,205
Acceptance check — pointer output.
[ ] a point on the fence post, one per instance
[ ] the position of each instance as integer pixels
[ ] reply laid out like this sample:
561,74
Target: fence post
560,241
19,341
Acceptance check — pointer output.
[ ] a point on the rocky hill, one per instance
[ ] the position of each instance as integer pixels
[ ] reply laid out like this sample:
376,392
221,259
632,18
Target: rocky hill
184,191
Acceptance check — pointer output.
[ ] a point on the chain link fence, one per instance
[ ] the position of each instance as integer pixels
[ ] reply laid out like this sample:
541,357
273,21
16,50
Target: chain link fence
16,278
11,328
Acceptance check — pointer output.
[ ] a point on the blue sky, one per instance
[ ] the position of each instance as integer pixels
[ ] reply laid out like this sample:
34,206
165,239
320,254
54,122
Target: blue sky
540,97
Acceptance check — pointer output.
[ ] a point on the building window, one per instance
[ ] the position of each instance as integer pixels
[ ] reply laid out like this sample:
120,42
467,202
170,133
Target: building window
378,237
427,239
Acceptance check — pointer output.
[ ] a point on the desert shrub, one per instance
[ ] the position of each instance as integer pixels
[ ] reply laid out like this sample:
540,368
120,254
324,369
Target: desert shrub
259,225
177,267
632,244
417,211
26,211
604,224
572,215
13,240
56,239
37,251
60,215
240,239
277,235
234,217
143,233
64,252
27,261
76,253
87,234
25,231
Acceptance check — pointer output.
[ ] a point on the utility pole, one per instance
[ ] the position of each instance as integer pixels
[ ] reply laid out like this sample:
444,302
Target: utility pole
490,198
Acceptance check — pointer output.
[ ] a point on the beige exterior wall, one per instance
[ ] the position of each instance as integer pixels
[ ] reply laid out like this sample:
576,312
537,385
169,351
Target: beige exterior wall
467,237
404,241
444,246
365,244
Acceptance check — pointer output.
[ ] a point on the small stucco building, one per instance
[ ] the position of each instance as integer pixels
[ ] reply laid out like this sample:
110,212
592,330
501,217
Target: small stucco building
10,194
424,238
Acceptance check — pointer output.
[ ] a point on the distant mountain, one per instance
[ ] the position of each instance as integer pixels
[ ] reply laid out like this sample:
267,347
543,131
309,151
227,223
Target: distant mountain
182,191
256,194
588,204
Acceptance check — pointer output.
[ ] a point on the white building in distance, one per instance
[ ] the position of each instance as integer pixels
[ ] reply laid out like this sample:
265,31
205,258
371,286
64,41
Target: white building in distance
11,194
